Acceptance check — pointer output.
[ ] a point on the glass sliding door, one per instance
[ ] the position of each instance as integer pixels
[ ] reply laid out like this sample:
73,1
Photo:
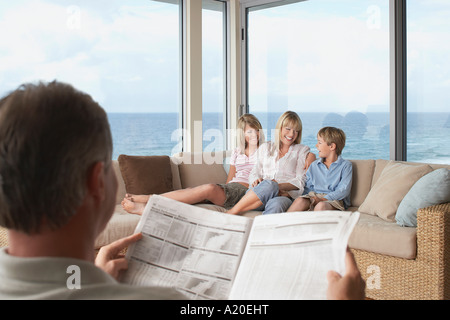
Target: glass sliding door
126,54
214,74
428,81
328,60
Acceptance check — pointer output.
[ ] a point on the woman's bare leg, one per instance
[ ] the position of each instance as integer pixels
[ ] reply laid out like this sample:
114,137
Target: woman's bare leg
249,201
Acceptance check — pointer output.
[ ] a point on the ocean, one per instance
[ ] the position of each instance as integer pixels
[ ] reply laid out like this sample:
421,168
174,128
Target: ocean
428,134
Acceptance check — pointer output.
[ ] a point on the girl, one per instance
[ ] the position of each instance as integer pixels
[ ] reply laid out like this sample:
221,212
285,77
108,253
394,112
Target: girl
250,135
278,176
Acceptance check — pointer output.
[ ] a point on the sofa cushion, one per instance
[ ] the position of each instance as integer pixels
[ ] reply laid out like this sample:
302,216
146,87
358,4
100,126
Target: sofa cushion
374,234
361,180
395,181
433,188
201,168
121,185
121,224
146,174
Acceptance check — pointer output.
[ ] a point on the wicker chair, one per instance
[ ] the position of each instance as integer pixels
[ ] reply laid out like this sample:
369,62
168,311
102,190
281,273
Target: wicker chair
427,276
3,237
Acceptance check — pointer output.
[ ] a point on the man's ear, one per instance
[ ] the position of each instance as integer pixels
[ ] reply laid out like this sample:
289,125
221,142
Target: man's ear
96,180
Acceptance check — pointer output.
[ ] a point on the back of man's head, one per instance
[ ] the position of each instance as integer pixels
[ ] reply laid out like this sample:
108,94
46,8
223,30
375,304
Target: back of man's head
50,135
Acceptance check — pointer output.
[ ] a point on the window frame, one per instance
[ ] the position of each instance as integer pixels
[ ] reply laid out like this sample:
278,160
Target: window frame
192,104
397,48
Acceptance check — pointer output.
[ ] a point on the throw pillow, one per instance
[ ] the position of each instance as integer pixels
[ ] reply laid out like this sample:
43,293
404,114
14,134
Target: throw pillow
431,189
393,184
146,174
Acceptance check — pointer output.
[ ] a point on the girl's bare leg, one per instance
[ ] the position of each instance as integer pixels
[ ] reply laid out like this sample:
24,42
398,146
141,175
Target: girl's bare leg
138,197
210,192
133,207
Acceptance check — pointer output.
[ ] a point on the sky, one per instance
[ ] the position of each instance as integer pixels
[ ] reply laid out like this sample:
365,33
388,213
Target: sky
315,55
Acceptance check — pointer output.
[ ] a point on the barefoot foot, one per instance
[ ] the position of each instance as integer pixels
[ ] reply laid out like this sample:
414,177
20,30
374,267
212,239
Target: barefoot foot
133,207
143,198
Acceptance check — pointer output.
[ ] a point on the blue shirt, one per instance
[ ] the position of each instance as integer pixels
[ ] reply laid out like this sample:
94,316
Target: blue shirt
335,182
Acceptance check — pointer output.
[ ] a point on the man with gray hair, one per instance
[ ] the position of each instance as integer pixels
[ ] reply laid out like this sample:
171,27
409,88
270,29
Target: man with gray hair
57,193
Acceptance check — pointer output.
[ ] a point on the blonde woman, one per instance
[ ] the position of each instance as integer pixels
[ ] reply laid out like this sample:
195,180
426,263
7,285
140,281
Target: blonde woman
278,176
250,136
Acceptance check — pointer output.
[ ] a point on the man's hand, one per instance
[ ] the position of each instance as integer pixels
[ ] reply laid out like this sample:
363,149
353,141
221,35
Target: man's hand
349,287
109,258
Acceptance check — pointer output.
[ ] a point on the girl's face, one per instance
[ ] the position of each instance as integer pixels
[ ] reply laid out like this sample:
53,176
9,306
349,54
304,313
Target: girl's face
251,135
288,135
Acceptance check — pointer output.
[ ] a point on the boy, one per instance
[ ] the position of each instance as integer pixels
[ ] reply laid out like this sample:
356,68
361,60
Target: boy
328,179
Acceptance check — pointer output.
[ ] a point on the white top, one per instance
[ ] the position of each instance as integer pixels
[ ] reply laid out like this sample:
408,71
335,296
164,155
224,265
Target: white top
50,278
243,164
288,169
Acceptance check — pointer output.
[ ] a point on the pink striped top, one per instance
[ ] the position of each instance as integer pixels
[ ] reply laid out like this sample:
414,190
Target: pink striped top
243,164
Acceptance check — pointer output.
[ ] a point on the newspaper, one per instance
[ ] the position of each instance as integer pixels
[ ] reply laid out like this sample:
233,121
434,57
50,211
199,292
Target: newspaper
211,255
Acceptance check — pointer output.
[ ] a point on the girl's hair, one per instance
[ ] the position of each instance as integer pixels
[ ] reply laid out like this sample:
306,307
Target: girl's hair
252,121
288,119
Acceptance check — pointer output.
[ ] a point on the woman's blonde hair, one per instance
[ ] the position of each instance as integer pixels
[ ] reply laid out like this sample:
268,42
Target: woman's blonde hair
288,119
252,121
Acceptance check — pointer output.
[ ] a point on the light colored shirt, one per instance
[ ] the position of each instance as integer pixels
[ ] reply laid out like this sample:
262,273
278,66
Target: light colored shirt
50,278
335,182
243,164
288,169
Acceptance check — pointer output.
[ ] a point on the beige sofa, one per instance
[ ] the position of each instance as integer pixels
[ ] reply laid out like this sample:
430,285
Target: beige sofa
397,262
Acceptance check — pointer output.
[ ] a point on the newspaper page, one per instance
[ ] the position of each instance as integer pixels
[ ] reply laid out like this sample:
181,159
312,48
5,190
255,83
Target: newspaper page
190,248
288,255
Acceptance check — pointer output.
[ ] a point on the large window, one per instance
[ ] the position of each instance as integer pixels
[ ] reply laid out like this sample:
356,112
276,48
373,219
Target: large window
214,70
428,79
327,60
126,54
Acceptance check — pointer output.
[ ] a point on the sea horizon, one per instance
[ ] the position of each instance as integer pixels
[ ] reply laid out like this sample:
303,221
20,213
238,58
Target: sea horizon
157,133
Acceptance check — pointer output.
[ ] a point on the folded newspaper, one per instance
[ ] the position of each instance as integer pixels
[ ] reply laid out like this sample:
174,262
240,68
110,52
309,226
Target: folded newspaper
210,255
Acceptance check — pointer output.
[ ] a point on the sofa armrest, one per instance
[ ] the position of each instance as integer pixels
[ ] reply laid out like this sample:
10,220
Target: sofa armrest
433,243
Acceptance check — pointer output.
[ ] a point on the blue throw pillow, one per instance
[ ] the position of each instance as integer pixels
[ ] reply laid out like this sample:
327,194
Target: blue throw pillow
433,188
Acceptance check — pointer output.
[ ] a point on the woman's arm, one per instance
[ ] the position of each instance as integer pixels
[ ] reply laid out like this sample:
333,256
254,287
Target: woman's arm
256,174
310,158
300,173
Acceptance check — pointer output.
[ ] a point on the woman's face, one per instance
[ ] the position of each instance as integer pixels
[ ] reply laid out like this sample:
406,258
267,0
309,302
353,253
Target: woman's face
288,135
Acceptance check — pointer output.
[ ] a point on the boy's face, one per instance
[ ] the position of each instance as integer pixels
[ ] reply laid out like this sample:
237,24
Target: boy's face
323,147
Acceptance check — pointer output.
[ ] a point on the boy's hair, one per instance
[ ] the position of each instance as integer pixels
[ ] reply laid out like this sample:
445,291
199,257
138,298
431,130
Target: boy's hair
252,121
333,135
288,119
50,137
